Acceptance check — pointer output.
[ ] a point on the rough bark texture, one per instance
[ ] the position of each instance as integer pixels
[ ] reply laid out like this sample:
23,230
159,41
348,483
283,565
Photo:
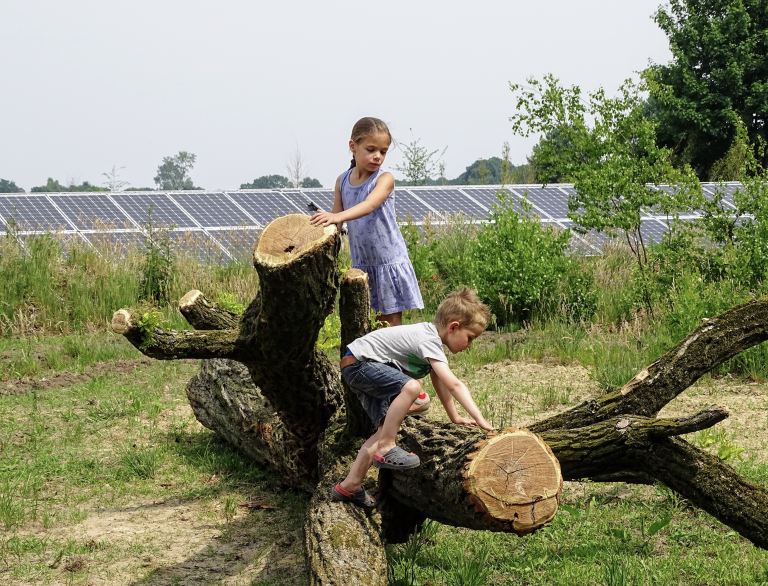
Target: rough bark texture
178,344
279,402
225,400
279,329
498,481
203,314
343,543
715,341
355,317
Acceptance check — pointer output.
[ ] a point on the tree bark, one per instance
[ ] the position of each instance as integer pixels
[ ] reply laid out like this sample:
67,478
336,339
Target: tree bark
268,391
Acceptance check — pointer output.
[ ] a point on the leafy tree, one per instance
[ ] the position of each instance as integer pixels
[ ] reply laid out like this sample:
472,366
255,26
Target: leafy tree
158,271
268,182
609,149
53,186
7,186
279,182
420,163
173,173
491,173
543,171
718,76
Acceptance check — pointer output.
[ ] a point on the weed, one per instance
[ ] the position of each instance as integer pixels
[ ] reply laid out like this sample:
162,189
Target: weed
227,301
140,463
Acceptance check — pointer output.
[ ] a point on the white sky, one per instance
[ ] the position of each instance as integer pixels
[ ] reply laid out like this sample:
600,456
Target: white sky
86,85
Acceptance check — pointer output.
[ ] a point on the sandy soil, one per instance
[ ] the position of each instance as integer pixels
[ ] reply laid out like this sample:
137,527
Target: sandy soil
67,379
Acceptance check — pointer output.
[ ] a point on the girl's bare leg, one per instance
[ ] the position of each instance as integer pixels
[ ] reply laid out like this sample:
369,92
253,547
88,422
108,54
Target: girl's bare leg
393,319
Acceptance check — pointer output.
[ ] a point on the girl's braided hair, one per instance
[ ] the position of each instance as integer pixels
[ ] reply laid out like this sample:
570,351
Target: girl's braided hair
366,127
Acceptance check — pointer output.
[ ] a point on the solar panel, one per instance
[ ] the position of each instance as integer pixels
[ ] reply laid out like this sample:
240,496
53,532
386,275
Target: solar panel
451,201
238,241
550,200
198,243
653,231
485,196
322,198
92,212
264,206
137,206
299,202
211,222
590,243
116,244
67,240
213,209
33,213
406,204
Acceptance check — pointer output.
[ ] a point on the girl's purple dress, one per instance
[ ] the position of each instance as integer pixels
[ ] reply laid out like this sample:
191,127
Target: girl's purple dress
378,248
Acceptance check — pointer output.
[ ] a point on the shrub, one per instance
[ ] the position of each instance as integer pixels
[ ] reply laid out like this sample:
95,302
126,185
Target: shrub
158,270
518,263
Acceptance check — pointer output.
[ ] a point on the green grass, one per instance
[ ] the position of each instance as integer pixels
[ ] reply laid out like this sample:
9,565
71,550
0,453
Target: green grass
109,444
601,539
44,289
40,355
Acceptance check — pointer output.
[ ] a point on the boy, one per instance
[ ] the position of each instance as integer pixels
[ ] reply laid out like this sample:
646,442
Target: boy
381,368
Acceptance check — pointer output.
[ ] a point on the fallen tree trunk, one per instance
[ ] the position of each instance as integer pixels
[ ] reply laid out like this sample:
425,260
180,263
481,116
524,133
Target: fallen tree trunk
292,413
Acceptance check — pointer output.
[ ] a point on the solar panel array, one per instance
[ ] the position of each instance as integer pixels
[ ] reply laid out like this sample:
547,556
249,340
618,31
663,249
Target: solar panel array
225,224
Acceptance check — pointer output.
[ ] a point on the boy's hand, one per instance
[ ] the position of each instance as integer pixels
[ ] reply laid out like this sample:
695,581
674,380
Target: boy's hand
464,421
485,425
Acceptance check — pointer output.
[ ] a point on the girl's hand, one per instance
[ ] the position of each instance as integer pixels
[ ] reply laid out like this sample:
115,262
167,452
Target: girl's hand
321,218
464,421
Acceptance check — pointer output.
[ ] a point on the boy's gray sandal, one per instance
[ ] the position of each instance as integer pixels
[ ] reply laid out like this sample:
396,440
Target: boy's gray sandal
360,498
396,459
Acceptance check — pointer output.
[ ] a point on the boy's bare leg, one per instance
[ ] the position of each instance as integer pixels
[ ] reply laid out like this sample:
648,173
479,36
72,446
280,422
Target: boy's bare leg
395,415
393,319
384,439
363,462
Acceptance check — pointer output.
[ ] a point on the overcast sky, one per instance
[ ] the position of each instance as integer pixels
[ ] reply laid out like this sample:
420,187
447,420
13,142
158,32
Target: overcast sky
86,85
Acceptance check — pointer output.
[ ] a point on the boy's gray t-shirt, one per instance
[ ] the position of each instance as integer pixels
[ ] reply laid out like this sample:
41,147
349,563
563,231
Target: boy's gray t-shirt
407,348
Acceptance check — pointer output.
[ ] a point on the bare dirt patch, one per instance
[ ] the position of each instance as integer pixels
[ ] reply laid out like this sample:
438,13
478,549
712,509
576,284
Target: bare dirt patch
67,379
177,542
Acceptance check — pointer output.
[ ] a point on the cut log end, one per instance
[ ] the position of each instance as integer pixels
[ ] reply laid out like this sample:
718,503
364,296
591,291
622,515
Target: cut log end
287,238
121,321
514,479
189,300
355,275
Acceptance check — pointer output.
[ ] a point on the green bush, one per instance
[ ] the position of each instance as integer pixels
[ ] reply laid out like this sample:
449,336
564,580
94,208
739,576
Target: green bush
158,271
520,266
420,247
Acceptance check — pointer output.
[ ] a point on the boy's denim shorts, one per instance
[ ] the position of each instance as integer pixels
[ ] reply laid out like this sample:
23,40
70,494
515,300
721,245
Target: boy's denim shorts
376,385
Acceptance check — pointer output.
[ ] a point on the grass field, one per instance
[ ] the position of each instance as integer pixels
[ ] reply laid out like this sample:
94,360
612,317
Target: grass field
107,478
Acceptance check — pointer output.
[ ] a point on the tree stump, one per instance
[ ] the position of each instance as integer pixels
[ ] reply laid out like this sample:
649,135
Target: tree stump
267,390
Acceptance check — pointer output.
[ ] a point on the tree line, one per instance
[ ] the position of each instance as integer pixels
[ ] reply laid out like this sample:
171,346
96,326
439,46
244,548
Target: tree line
173,174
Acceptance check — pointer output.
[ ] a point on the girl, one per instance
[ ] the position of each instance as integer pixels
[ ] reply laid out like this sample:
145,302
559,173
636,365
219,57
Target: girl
363,201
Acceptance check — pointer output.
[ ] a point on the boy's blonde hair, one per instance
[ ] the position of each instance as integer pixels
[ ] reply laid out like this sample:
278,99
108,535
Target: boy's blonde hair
465,307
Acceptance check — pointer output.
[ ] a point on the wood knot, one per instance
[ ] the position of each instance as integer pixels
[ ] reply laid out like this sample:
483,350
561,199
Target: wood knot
622,426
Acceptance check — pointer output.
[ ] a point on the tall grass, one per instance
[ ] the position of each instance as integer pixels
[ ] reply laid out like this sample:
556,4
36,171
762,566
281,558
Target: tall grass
58,283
